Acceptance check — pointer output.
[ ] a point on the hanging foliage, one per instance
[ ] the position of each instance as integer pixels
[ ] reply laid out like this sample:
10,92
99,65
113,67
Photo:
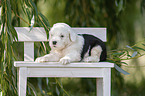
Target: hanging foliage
10,11
85,13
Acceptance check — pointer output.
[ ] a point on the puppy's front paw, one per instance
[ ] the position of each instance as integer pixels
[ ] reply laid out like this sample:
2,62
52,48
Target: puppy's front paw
65,60
40,59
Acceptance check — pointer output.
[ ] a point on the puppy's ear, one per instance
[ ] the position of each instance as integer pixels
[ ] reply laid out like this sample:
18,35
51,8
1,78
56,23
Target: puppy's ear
72,35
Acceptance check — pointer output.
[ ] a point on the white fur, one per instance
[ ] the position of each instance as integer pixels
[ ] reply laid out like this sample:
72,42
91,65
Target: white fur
95,54
67,49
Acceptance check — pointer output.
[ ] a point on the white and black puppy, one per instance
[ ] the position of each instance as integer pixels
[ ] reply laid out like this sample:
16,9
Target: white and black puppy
67,46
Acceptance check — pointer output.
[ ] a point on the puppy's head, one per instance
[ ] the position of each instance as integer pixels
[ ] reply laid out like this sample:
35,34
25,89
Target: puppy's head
61,35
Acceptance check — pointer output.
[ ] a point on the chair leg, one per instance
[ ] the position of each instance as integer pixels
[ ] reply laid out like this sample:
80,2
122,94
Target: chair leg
22,81
99,89
104,84
107,82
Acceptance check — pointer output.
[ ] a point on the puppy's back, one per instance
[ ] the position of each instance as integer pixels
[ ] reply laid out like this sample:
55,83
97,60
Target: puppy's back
90,42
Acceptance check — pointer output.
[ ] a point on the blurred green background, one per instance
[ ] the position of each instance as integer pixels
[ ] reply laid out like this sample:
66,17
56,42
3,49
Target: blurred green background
125,23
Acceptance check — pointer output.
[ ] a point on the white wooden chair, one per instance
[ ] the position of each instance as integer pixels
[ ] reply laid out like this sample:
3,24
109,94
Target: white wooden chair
29,68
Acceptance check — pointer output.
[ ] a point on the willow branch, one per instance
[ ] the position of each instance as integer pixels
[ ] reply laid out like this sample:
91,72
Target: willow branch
22,19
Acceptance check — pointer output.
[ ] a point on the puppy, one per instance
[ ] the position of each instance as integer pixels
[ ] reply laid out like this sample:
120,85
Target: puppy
67,46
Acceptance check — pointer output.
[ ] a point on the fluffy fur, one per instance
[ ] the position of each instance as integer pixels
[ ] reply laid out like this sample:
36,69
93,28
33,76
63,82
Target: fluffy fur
67,46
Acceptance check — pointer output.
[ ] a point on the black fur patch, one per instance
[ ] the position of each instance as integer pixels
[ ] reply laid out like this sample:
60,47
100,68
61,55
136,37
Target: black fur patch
91,41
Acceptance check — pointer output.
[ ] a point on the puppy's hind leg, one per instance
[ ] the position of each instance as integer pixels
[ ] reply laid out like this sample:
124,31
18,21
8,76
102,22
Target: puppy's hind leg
95,54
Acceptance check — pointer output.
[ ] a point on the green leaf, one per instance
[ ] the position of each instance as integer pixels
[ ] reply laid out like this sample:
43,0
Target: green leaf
40,84
28,14
124,63
134,54
129,47
3,16
33,89
44,23
57,91
8,16
27,3
2,32
139,48
119,5
23,6
143,44
120,69
13,32
44,19
14,8
34,7
118,53
31,27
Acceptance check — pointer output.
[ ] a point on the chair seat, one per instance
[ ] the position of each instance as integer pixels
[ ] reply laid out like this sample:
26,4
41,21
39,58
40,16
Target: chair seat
58,65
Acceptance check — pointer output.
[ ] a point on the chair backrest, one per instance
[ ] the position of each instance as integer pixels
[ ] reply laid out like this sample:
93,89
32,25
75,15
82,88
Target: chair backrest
38,34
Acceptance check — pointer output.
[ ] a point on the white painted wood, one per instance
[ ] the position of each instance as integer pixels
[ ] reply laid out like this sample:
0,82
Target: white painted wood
98,32
65,72
107,82
57,64
28,51
99,87
22,81
38,33
29,68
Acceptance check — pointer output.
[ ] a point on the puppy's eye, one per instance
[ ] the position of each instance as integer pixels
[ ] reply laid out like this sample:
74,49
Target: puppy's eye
61,36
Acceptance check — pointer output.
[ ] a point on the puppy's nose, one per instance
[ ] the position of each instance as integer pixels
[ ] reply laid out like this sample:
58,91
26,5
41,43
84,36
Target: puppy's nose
54,42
